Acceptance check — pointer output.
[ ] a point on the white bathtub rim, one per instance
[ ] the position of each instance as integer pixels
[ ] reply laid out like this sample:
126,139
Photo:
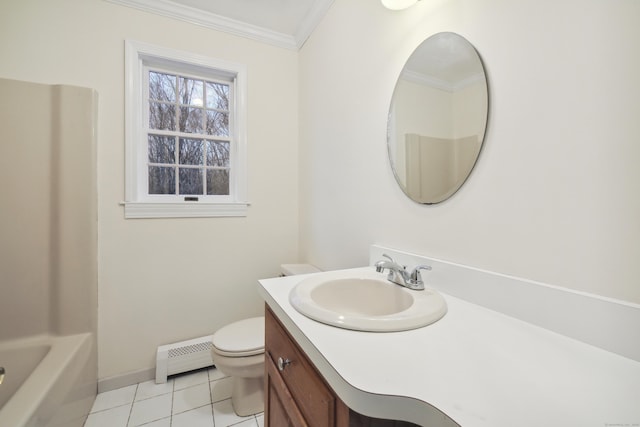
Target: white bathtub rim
30,341
36,399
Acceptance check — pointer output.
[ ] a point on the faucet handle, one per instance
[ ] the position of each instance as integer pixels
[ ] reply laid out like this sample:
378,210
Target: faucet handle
416,278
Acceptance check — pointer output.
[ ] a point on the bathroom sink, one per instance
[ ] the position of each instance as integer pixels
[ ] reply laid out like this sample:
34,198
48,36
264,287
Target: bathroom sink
365,301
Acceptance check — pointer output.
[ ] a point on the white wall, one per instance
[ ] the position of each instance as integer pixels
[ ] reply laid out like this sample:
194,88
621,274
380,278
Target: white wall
166,280
555,194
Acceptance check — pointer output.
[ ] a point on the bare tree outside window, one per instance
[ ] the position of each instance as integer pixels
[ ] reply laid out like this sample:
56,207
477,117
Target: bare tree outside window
189,135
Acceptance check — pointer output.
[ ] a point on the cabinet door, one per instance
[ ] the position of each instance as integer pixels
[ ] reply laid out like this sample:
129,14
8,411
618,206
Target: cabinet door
280,408
314,399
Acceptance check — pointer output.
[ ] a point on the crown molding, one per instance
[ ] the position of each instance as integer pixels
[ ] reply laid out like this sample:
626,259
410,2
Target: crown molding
311,21
221,23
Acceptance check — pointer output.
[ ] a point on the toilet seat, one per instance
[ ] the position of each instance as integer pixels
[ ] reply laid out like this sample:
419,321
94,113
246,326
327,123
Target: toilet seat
240,339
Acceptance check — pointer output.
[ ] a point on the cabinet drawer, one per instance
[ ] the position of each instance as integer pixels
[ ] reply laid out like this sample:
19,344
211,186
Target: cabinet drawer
310,393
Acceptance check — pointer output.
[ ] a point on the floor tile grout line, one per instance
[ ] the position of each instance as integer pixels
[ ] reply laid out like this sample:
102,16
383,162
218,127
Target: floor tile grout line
108,409
152,397
213,418
192,409
131,408
173,394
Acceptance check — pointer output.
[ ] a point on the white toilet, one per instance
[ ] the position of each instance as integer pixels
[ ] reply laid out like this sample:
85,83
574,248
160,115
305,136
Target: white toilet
238,351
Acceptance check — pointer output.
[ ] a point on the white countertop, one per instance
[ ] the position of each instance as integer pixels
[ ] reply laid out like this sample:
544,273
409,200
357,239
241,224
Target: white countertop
479,367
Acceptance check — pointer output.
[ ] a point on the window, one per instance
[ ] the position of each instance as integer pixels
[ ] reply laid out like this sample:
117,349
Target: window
185,141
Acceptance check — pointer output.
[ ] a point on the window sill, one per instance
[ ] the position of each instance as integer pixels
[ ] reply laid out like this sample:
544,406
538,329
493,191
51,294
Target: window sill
184,210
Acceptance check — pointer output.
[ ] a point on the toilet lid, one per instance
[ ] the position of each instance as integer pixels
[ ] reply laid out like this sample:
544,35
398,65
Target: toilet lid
242,338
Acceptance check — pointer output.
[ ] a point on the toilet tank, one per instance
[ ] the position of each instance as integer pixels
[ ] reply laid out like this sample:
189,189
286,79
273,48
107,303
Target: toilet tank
294,269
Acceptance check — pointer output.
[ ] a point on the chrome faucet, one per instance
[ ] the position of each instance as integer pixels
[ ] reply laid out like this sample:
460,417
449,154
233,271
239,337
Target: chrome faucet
398,273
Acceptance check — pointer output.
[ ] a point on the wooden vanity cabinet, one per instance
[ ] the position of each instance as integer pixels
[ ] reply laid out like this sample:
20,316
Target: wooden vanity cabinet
296,395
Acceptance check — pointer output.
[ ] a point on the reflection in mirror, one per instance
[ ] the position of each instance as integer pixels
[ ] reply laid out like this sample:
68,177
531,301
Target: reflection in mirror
437,118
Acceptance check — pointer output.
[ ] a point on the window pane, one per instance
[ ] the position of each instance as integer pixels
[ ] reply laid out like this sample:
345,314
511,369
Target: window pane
162,149
218,153
162,116
217,123
218,182
191,92
191,151
191,120
217,96
162,180
162,87
190,181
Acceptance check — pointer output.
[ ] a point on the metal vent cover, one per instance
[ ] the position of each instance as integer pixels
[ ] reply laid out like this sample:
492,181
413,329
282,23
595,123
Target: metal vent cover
188,349
183,356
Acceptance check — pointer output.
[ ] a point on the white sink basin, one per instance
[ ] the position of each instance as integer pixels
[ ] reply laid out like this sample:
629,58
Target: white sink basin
365,301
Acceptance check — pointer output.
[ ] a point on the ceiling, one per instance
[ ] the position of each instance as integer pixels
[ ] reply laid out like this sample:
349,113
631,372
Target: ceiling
284,23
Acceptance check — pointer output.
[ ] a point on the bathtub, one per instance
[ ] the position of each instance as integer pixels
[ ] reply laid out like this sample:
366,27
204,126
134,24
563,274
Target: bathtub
44,380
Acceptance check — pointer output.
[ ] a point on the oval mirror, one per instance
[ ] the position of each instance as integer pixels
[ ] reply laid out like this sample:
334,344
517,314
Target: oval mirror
437,118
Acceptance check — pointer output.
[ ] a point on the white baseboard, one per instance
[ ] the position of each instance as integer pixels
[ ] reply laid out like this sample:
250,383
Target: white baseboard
124,380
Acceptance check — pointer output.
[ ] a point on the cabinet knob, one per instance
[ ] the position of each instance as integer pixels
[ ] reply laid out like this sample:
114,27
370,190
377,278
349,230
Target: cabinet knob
282,363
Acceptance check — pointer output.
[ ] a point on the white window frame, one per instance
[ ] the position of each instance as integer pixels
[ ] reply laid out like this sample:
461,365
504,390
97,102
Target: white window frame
138,203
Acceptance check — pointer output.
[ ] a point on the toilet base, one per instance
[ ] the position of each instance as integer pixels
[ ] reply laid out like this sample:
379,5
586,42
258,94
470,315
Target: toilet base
247,396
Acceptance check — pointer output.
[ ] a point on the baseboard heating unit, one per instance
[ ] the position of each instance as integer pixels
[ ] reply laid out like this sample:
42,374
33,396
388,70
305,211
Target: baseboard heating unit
183,356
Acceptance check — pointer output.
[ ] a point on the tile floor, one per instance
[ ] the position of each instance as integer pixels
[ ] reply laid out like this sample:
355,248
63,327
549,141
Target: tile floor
197,399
